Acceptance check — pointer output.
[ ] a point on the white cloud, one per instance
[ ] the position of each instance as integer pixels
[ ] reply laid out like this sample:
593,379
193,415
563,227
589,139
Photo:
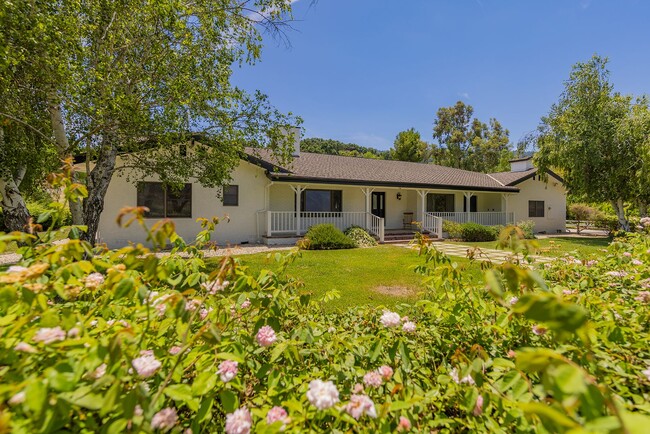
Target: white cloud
464,95
584,4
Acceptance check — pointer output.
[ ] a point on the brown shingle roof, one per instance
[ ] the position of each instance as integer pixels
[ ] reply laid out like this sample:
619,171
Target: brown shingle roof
513,178
335,169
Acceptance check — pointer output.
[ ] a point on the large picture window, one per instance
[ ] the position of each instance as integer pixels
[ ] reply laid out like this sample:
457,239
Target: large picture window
535,208
321,201
440,202
165,202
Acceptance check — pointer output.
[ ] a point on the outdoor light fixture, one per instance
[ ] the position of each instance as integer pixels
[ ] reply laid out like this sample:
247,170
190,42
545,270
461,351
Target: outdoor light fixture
399,196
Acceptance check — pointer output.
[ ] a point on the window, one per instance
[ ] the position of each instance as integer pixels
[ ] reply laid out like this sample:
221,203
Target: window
321,201
440,202
231,195
165,202
535,208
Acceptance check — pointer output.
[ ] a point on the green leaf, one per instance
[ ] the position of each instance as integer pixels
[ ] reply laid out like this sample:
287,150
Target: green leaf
204,383
229,401
534,360
557,314
552,419
179,392
569,379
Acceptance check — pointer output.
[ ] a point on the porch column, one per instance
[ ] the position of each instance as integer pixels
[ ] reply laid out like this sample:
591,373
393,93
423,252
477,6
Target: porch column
298,189
423,204
505,197
468,204
367,192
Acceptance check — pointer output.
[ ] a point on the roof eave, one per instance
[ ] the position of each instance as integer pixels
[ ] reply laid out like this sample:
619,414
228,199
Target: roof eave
288,177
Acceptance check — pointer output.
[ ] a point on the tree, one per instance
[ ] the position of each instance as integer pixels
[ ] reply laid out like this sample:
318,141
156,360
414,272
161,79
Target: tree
582,213
467,143
585,136
409,146
32,35
145,77
635,130
334,147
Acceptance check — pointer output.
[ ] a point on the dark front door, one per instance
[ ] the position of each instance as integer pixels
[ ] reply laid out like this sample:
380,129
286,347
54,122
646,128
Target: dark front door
379,204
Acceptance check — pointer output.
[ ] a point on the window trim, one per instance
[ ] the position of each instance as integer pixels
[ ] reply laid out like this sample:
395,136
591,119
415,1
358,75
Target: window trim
536,207
335,196
223,199
165,214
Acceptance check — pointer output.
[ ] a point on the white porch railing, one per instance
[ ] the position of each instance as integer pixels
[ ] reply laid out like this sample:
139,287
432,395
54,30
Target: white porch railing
376,226
483,218
286,222
433,224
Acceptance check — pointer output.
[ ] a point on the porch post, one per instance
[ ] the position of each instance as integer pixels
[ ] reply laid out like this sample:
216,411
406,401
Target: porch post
367,192
468,195
298,189
423,204
505,197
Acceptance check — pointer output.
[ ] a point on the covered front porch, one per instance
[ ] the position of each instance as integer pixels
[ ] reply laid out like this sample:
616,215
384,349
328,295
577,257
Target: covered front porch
291,209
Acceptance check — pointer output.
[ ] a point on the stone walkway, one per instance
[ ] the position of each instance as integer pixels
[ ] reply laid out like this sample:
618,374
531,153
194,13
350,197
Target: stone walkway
482,254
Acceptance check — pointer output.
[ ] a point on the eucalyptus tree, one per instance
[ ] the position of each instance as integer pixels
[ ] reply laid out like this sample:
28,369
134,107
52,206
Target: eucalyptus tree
143,77
585,136
467,143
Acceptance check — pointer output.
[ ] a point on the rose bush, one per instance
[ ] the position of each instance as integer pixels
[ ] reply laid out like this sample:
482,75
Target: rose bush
95,340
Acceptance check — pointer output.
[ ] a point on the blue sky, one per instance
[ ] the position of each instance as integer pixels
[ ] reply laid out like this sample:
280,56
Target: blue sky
361,71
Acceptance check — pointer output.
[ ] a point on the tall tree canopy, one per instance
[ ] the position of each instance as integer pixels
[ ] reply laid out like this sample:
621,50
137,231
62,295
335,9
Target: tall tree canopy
142,76
409,146
597,138
467,143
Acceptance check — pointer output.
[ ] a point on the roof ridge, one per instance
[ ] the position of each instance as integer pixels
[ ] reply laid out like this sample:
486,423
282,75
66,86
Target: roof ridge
501,183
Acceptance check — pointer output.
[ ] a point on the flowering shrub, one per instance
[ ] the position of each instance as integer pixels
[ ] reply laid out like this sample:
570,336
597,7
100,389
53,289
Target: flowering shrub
164,344
360,237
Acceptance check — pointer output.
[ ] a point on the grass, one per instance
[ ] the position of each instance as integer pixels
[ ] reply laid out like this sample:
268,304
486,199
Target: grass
558,246
377,276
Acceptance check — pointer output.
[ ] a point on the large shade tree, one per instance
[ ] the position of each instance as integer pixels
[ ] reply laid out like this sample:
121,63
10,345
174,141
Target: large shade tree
467,143
143,77
594,138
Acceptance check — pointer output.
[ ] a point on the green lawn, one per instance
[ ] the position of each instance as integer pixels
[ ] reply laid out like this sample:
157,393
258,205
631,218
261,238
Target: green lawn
558,246
382,275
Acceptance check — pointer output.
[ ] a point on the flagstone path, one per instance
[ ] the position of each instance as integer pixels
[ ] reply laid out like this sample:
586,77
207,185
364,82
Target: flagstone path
482,254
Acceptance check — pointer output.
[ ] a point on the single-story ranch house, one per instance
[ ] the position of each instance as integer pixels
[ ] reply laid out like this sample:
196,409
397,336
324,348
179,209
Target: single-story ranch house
276,204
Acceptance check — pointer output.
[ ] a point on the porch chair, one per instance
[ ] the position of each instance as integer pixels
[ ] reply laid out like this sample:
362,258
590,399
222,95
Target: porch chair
407,220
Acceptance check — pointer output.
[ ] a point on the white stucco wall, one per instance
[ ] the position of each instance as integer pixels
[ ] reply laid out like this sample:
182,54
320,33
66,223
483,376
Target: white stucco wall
552,193
240,228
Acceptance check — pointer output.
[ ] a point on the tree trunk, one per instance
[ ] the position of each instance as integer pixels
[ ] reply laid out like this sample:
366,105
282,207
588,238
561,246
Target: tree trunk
15,214
620,213
99,179
63,148
14,210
